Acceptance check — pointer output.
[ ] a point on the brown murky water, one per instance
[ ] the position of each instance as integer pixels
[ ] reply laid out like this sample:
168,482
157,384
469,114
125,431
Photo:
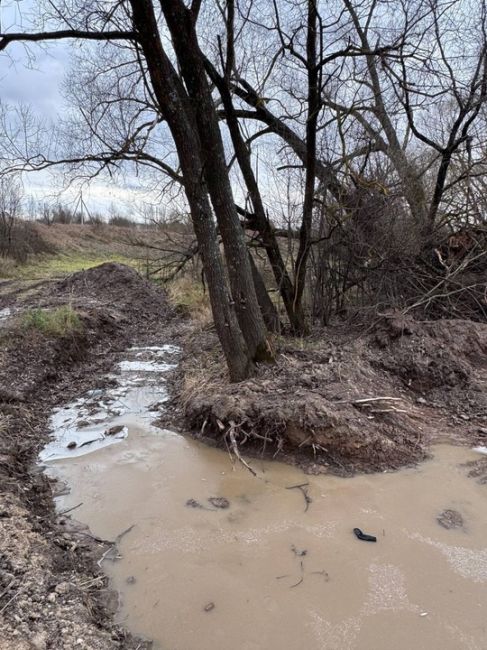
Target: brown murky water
272,576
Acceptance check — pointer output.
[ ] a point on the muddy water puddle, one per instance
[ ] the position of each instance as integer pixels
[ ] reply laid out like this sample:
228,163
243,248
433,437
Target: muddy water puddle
263,574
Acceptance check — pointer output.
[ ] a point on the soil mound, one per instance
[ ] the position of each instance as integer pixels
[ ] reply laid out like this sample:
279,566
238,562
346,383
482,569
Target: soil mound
117,286
373,402
114,304
440,359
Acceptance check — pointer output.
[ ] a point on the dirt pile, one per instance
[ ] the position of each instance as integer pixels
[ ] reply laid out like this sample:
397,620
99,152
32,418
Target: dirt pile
114,304
363,403
117,287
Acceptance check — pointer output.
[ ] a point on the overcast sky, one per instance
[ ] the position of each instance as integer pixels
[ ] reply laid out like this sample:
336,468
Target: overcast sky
36,82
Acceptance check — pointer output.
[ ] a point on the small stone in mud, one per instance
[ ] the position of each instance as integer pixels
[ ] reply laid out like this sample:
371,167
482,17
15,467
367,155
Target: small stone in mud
450,519
297,552
209,607
219,502
72,444
112,431
131,580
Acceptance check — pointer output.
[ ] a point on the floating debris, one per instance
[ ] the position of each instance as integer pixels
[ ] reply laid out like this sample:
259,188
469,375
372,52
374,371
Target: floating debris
363,536
192,503
303,487
219,502
450,519
112,431
297,552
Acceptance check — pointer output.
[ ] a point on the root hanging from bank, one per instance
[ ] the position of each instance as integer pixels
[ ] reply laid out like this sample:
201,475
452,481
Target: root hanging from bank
345,401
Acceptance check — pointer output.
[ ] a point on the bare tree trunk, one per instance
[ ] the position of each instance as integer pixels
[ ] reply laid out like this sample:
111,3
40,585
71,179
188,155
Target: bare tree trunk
181,23
260,220
176,110
311,124
267,307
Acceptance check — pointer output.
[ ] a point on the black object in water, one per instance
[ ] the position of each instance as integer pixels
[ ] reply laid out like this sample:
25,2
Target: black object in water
363,536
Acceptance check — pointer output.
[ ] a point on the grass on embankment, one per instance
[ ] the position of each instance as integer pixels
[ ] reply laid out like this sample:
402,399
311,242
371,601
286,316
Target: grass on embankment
58,266
188,296
68,248
59,322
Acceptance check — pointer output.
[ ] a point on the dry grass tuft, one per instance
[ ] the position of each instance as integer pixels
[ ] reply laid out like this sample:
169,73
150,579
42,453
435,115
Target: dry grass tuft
8,267
204,373
188,297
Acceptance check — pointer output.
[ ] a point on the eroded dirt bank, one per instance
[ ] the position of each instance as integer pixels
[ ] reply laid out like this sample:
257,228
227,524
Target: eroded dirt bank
52,592
346,401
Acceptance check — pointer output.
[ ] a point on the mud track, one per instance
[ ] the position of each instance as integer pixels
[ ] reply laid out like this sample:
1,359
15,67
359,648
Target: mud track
52,592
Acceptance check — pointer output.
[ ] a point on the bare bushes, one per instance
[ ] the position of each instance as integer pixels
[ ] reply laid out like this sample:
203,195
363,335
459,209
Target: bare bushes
375,257
21,239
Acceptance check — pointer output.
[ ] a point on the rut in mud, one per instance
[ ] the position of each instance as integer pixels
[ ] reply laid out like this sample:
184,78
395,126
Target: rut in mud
53,594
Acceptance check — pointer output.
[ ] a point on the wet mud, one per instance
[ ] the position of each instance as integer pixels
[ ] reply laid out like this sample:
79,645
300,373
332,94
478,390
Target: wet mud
279,566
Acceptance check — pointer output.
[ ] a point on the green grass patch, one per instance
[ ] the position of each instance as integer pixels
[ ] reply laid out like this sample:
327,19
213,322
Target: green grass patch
58,266
61,321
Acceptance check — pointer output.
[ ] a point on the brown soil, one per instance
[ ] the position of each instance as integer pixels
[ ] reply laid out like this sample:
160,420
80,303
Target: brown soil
52,593
346,401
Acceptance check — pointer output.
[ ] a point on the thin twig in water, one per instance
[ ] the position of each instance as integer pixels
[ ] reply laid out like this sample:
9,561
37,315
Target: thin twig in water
113,546
90,442
303,488
123,533
302,577
105,555
65,512
321,573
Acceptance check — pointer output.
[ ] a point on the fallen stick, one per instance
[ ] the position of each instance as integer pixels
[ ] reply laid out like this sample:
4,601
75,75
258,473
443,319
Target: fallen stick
118,538
364,400
11,600
65,512
301,579
11,584
303,488
234,446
